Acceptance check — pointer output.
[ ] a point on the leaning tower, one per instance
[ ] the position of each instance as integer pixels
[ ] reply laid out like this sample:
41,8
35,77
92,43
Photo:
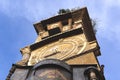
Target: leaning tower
65,49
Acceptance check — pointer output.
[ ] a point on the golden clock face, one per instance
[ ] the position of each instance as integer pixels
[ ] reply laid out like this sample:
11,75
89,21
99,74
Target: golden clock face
61,49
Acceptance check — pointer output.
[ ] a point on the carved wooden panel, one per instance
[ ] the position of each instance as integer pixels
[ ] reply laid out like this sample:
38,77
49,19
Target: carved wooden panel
44,34
54,25
66,28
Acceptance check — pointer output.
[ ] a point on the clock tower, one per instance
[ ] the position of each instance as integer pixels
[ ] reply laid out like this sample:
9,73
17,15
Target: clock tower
65,49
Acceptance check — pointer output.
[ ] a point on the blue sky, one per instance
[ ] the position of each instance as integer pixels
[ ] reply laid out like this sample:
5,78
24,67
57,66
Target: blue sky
17,31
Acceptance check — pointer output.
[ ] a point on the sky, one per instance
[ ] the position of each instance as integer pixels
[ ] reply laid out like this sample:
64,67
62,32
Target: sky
18,16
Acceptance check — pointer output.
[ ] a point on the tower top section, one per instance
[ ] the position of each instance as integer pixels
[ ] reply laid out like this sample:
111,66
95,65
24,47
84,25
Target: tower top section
65,22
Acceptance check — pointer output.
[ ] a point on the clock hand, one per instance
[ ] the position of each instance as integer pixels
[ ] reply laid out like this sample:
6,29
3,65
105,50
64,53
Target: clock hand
54,53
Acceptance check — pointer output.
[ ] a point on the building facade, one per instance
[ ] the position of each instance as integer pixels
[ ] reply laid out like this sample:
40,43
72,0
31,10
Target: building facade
65,49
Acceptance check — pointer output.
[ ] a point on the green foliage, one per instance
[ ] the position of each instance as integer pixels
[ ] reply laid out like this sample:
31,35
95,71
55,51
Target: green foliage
94,25
62,11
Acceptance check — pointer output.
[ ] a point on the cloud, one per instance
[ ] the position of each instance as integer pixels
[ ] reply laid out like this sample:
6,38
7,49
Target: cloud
26,9
112,2
107,14
37,10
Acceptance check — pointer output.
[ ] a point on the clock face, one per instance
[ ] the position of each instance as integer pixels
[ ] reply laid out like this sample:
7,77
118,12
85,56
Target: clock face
61,49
